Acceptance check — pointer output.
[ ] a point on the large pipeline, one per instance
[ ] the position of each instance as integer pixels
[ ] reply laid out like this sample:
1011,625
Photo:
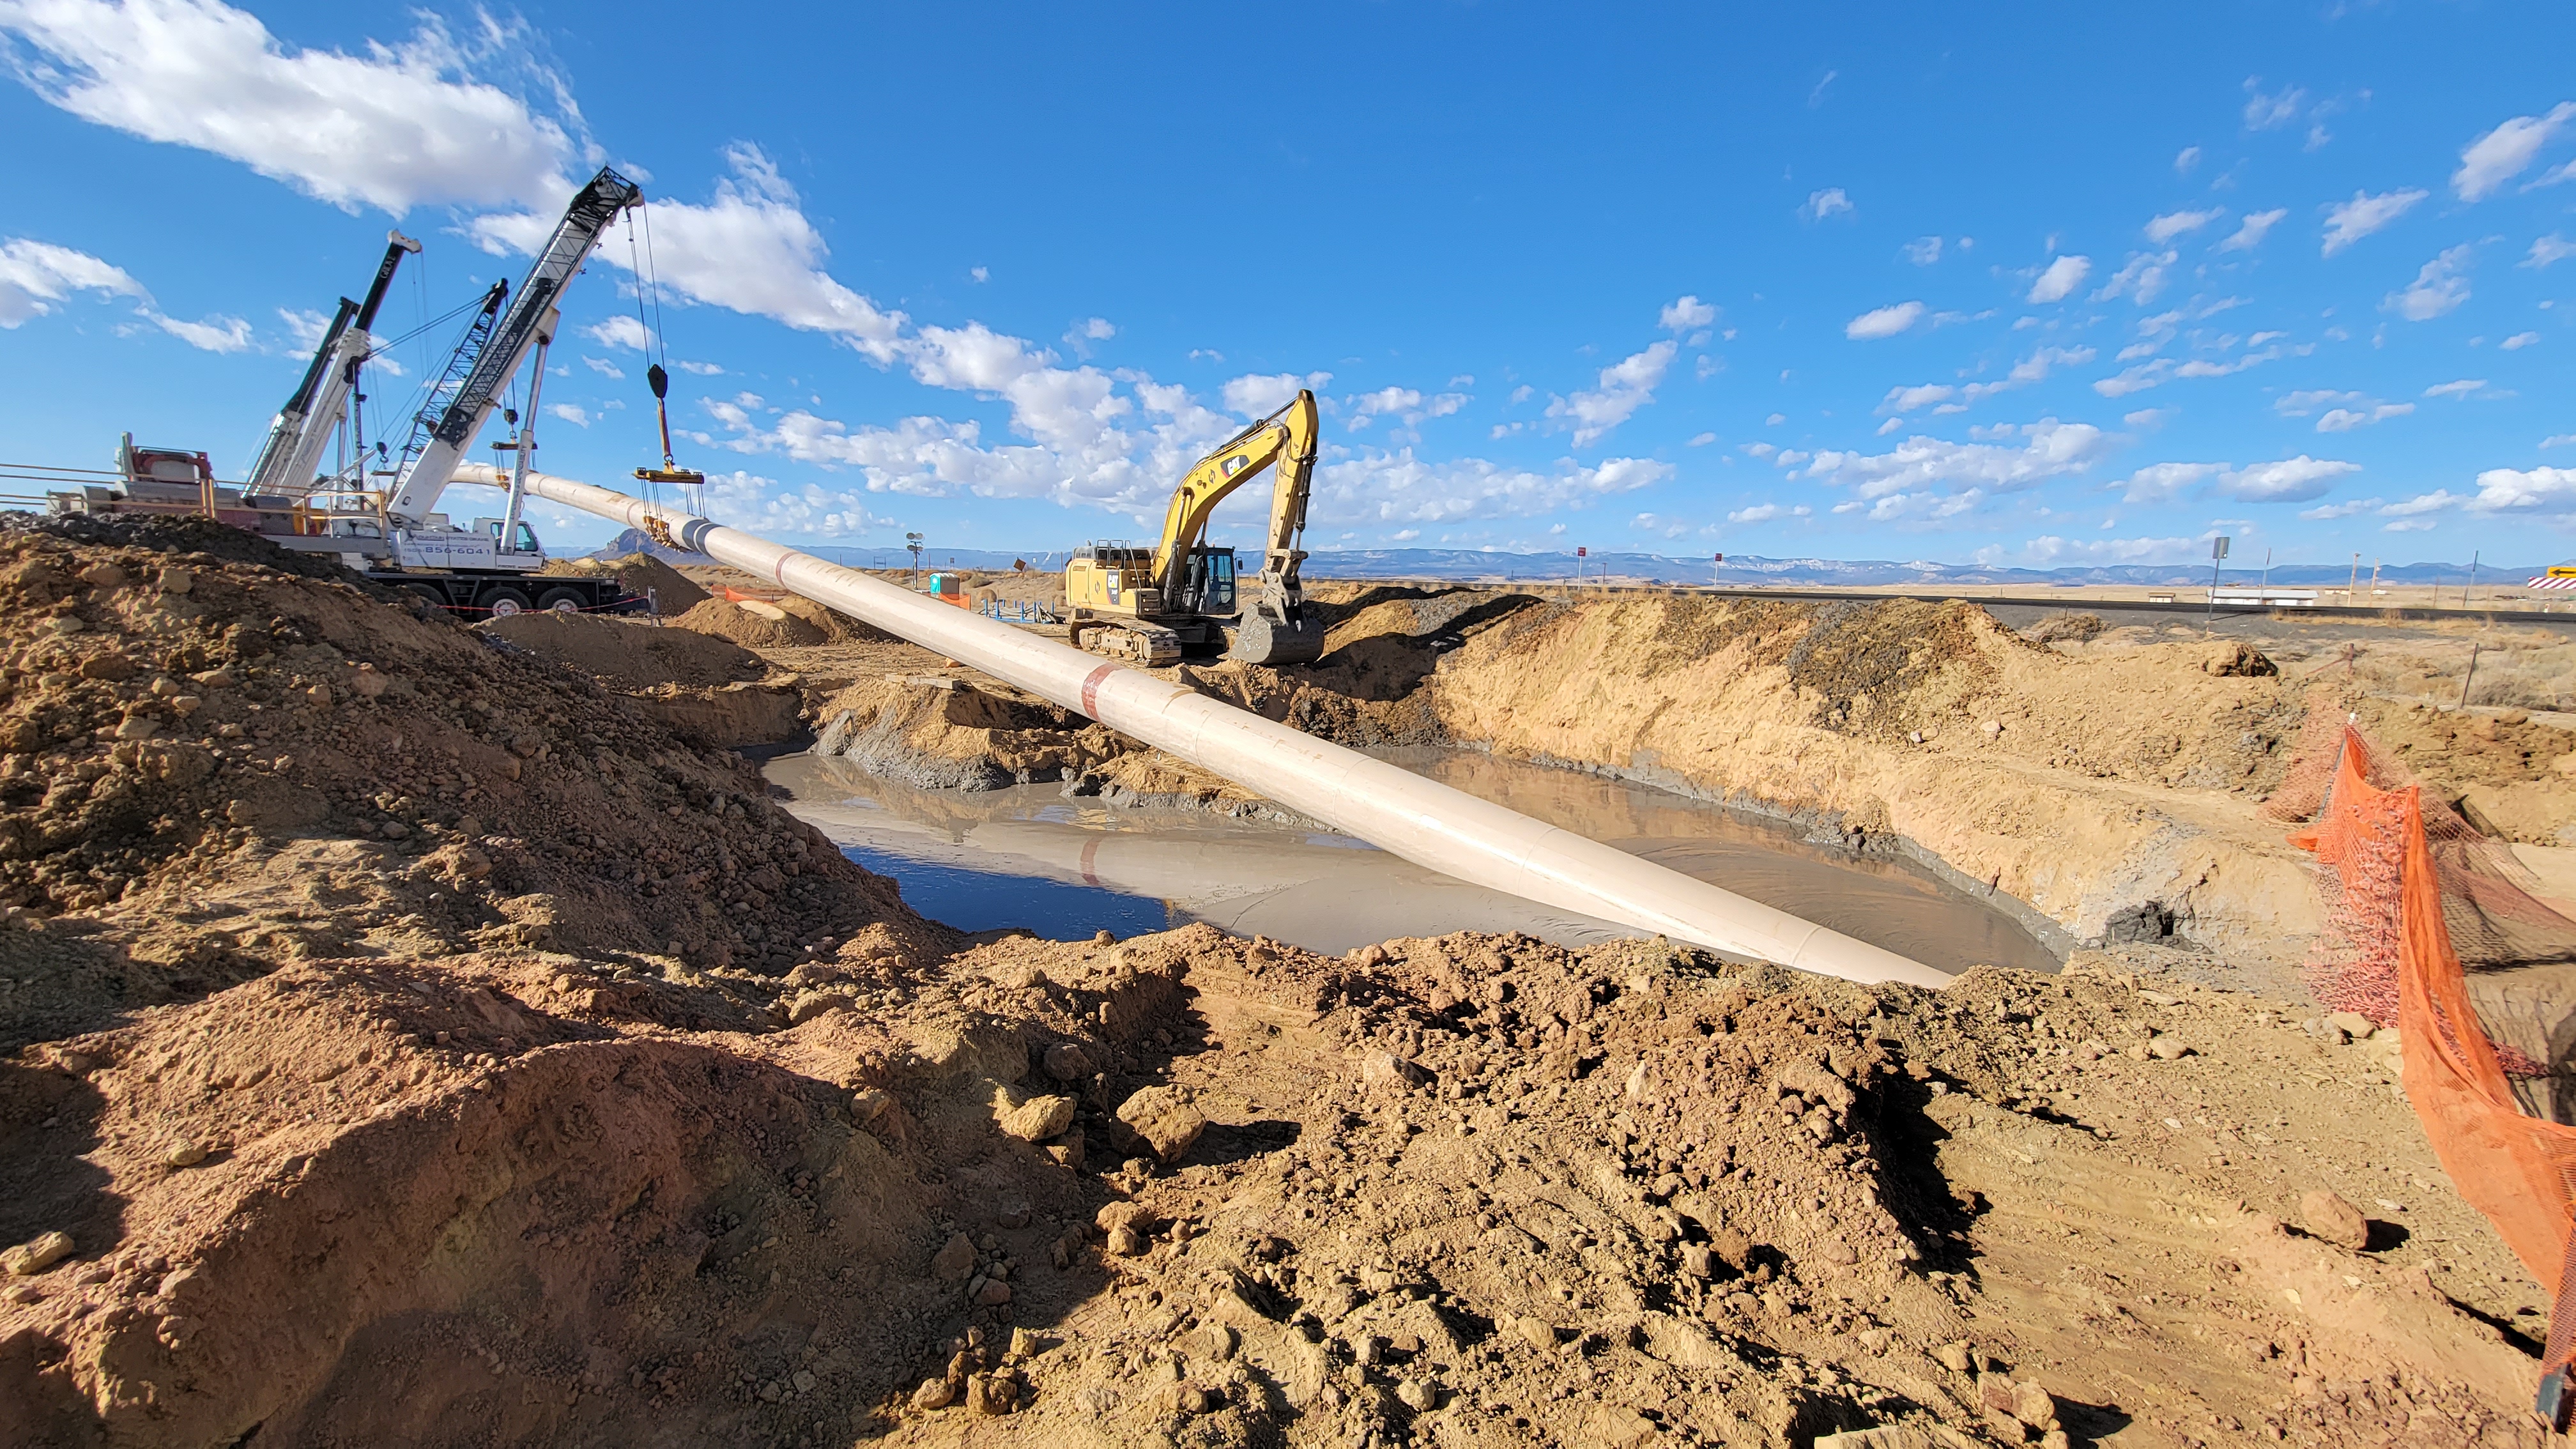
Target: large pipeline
1389,807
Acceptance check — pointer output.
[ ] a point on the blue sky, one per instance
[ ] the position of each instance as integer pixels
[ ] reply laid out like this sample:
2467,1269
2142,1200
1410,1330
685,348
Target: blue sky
2022,283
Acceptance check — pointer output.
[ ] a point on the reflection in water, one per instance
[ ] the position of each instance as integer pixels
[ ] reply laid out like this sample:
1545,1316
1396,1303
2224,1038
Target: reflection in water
1894,904
1065,868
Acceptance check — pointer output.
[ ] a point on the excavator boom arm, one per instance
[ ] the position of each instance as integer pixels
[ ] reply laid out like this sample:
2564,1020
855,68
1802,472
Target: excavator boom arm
1283,442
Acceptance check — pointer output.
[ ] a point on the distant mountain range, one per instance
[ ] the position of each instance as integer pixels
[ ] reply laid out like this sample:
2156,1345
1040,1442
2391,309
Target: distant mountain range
1477,564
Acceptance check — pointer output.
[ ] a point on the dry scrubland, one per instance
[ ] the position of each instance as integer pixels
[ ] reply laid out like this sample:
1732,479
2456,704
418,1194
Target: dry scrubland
423,1034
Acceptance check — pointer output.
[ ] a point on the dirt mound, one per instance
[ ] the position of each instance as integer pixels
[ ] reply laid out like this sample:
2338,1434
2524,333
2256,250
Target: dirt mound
942,732
629,655
642,575
214,768
752,627
2074,628
1466,1190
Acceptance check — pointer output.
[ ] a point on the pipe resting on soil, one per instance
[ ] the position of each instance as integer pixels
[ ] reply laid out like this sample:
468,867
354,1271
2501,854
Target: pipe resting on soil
1385,805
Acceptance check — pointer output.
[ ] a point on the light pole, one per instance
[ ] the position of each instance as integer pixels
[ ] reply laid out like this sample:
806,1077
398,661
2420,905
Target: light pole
2217,555
913,541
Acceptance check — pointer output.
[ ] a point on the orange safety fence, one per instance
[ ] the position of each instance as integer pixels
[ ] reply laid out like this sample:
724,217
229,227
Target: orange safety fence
2401,894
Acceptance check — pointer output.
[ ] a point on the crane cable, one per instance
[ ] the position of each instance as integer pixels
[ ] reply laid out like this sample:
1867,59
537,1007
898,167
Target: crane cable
657,353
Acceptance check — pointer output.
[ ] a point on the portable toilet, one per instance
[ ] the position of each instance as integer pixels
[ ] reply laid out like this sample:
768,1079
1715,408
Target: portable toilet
948,589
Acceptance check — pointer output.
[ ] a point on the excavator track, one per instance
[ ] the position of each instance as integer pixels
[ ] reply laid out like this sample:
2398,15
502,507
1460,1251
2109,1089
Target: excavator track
1150,645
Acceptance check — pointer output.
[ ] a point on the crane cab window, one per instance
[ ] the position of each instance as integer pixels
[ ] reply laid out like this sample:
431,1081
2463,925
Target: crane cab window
525,541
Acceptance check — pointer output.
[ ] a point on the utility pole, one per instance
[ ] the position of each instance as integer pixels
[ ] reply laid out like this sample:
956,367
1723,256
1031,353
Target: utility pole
2473,578
2217,555
2267,571
2374,578
2353,583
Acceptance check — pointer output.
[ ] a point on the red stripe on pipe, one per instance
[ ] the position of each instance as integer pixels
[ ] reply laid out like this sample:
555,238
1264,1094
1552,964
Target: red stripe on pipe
1091,689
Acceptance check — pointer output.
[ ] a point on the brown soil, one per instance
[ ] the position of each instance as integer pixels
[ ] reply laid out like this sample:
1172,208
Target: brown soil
630,654
415,1041
643,575
1473,1190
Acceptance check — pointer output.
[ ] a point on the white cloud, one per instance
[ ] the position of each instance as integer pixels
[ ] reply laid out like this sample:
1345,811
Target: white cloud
2305,402
1385,400
2437,289
2500,155
2250,232
2051,549
1921,470
1624,388
2164,482
2291,480
1766,512
396,128
2060,279
1884,321
1923,251
36,276
2551,248
2558,440
2165,228
2502,490
305,328
1701,440
2434,502
620,331
1398,487
2349,221
1686,312
2139,279
701,369
2264,113
1258,395
604,367
1907,399
2461,387
215,334
2325,512
2185,159
2519,341
1825,203
2146,418
764,505
578,417
2344,420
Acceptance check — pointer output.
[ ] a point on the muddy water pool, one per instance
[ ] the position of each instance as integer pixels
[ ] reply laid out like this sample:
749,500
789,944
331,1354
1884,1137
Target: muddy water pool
1065,868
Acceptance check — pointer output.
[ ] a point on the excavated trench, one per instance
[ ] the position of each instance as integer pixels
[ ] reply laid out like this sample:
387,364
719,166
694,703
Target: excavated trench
1029,856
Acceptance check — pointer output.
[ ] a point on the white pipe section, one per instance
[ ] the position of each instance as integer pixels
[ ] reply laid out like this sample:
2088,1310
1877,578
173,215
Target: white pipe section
1389,807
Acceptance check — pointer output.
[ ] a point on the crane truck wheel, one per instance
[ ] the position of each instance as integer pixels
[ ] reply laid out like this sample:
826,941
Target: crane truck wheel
503,601
430,594
561,601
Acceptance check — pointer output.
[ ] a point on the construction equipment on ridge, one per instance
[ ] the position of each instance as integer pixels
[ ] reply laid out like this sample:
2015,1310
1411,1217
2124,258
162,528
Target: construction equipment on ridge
1150,606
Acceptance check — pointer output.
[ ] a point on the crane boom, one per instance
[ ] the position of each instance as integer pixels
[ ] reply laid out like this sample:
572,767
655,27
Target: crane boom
292,453
512,337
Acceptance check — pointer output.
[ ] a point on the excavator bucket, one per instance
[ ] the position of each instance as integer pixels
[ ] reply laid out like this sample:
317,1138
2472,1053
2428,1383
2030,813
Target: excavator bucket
1260,639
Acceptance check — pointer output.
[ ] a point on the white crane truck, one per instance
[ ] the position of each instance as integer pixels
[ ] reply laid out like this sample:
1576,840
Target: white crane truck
395,534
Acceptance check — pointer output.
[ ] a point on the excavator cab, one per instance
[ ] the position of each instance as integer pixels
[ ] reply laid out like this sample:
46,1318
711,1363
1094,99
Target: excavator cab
1207,582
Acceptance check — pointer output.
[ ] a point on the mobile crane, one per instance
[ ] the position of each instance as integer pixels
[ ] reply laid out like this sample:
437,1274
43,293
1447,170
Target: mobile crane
291,458
1152,605
400,539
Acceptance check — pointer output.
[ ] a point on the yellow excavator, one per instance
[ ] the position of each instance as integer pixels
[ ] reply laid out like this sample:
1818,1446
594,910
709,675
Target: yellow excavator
1151,605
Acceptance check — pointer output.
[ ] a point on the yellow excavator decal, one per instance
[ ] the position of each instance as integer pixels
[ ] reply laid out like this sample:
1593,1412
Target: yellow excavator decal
1151,605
